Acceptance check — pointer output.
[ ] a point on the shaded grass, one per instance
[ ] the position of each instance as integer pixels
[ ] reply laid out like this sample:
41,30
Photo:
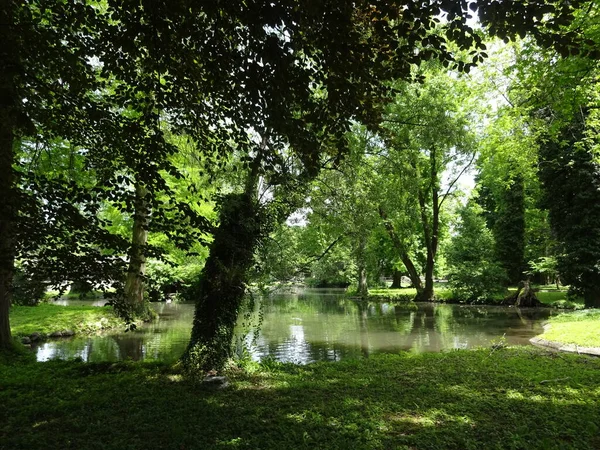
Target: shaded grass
508,398
46,319
580,328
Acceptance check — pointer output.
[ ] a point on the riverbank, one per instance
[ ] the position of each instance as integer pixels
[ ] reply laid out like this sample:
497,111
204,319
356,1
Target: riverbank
47,320
503,398
577,331
550,298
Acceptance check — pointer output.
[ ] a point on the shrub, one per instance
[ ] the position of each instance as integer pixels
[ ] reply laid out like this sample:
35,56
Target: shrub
28,290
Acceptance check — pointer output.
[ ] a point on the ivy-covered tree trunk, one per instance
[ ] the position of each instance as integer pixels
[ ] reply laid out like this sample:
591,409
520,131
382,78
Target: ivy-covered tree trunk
134,284
8,113
428,294
431,243
222,285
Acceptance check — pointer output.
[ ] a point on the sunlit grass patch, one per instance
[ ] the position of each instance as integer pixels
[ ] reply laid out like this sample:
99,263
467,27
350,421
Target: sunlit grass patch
580,328
46,319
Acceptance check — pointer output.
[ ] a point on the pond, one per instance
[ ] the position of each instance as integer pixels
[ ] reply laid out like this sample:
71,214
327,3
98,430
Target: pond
312,325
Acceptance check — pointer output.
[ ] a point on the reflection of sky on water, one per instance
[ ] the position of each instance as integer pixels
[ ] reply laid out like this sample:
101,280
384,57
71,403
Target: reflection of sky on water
311,326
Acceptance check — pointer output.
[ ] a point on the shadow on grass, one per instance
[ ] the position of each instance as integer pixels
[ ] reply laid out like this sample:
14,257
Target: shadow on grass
469,399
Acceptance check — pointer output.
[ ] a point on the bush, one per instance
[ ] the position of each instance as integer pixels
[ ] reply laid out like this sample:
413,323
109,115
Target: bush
28,290
164,280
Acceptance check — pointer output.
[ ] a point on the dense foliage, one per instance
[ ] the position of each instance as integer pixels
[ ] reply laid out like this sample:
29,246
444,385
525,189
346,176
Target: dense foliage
137,136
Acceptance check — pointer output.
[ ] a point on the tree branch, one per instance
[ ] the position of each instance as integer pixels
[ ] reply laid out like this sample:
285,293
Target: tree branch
456,179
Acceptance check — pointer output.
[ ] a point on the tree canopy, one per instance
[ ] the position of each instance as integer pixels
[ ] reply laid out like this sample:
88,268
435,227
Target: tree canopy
99,99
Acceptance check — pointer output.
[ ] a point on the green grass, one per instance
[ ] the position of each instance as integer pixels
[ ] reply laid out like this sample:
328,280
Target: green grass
580,327
46,319
553,298
508,398
441,293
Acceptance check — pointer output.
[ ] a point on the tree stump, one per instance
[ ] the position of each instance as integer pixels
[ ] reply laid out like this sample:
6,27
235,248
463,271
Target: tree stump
524,297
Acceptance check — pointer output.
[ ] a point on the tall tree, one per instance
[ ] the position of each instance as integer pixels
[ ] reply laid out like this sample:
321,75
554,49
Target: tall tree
428,135
34,90
342,202
505,213
569,172
557,96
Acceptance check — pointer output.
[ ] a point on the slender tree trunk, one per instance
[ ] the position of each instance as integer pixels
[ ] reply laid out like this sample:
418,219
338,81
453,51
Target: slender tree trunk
396,279
362,288
430,228
413,274
222,285
134,284
7,243
8,112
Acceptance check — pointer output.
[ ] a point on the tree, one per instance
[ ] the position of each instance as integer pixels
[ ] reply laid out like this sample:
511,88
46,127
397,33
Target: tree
474,274
326,67
427,134
569,174
341,201
506,218
558,100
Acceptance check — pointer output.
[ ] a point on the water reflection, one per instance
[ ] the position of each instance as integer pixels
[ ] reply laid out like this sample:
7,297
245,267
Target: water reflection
315,325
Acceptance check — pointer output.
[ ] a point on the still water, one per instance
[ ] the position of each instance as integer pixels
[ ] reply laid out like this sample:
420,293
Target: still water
313,325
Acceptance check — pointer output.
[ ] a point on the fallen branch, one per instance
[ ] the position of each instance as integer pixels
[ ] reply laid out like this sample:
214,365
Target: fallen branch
556,379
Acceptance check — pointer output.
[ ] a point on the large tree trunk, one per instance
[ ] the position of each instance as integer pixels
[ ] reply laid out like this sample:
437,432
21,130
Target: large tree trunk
396,279
134,284
222,285
8,113
428,294
7,243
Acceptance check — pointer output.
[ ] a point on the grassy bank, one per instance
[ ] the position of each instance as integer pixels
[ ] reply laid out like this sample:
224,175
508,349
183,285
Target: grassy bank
508,398
580,327
555,298
46,319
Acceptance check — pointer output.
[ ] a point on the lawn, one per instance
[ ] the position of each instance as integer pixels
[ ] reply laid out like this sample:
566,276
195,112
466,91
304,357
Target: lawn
551,297
505,398
580,327
46,319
